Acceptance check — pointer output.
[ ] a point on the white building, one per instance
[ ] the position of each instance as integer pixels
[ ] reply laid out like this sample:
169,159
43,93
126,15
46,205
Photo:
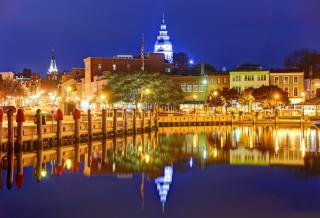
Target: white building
163,44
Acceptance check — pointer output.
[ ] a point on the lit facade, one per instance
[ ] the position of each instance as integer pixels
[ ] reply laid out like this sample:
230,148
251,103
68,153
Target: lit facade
163,44
200,86
290,81
242,80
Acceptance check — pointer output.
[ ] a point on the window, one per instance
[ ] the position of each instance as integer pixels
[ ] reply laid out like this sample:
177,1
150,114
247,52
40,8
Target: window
189,88
295,91
184,87
219,80
99,66
195,87
212,81
295,79
224,80
286,89
262,77
248,77
201,88
276,80
114,67
237,78
168,70
286,80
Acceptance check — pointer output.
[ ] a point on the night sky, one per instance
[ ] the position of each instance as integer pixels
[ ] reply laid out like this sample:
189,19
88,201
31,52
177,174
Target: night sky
219,32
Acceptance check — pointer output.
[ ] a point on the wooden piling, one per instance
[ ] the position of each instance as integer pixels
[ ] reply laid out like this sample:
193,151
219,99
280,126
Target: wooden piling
142,120
125,120
150,113
134,122
39,128
10,130
10,149
90,127
59,119
104,123
115,119
76,117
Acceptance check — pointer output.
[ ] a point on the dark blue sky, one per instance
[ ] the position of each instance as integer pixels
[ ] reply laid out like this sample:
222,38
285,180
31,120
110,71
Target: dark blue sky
220,32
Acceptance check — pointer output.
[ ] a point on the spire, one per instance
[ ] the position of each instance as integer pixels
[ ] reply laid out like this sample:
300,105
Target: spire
142,52
53,70
163,20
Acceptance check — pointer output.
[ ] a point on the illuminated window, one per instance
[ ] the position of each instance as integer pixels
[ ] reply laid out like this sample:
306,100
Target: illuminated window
189,88
184,87
99,66
219,81
237,78
295,91
201,88
195,87
224,80
114,67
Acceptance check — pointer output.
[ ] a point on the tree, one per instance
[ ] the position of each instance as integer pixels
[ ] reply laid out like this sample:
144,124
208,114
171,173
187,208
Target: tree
131,88
306,60
215,99
269,96
229,95
10,88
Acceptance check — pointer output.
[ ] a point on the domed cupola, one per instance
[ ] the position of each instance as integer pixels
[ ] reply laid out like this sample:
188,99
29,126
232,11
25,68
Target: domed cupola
163,44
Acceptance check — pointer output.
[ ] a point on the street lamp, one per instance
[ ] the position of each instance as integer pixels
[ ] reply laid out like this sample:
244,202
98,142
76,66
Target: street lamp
194,97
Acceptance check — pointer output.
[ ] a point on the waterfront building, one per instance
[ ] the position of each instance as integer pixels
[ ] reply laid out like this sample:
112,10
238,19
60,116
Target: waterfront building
7,75
163,44
312,88
197,88
96,67
242,80
290,81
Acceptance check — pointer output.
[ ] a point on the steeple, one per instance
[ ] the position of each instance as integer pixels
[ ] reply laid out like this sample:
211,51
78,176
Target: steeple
163,44
53,70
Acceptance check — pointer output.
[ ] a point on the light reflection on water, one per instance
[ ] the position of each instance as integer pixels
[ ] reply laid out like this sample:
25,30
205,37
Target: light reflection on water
158,156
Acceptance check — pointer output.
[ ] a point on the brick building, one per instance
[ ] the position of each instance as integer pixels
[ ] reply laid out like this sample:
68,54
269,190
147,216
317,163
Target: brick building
291,81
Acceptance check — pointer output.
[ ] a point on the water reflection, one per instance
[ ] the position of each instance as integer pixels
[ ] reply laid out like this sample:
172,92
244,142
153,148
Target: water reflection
155,155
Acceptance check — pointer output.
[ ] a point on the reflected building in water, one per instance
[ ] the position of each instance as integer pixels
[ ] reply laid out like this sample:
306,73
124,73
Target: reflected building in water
155,155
